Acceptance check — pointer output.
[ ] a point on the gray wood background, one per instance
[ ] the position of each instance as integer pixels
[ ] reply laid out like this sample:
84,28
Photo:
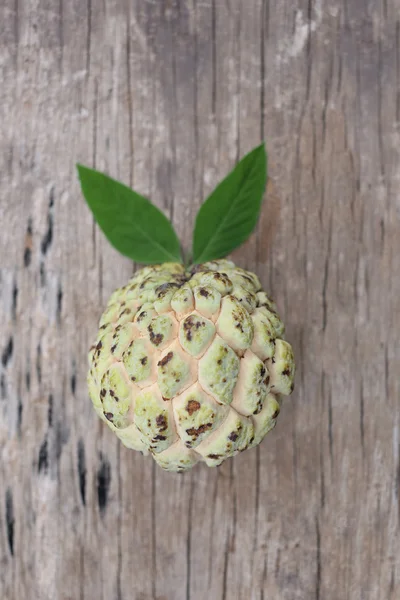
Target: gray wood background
166,95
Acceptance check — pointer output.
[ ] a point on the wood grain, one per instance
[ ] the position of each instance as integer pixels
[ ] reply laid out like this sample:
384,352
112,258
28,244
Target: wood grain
166,95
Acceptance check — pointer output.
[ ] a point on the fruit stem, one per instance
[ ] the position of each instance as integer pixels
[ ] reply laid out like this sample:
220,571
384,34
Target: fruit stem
187,259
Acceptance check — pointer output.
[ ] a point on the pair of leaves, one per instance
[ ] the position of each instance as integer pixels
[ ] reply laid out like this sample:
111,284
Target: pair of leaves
139,230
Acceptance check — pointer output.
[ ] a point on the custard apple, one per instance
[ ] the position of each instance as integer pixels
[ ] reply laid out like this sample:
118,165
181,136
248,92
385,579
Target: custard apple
190,365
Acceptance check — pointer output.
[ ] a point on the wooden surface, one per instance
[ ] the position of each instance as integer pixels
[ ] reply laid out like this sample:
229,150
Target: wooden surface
166,95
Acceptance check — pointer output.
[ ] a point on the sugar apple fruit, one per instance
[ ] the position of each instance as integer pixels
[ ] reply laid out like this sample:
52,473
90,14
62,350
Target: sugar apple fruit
190,365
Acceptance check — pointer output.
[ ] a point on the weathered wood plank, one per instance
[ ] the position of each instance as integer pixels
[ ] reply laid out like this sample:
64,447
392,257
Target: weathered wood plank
166,96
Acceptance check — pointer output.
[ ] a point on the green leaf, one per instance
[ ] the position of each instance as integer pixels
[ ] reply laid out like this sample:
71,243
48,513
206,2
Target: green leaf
230,213
133,225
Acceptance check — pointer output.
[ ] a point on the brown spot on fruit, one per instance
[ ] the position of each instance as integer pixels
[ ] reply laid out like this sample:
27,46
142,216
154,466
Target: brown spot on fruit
192,406
187,327
214,456
113,348
275,415
155,338
233,436
109,416
144,360
195,432
99,345
164,361
163,289
191,323
160,438
161,422
204,293
286,372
